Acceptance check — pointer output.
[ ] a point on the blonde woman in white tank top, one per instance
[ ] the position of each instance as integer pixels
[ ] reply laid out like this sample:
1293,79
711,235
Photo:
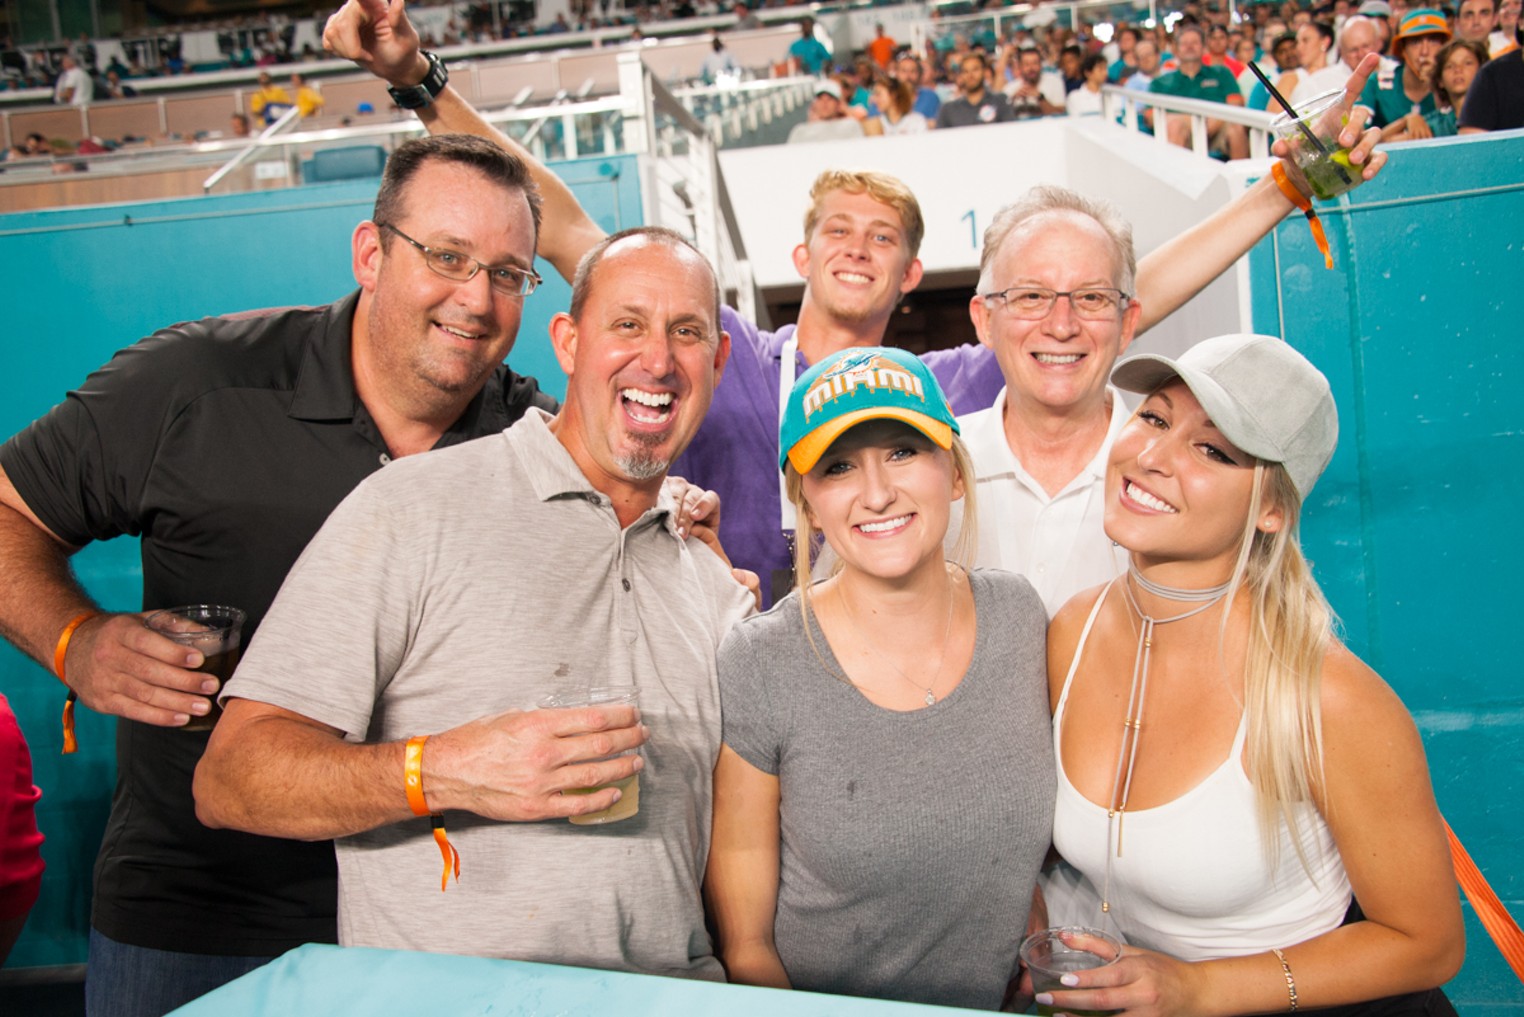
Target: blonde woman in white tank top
1228,771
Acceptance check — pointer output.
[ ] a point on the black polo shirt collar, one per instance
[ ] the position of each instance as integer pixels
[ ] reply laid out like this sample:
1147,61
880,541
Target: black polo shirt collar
325,384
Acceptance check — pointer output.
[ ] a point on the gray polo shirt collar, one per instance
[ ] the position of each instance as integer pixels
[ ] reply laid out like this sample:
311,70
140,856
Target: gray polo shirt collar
553,473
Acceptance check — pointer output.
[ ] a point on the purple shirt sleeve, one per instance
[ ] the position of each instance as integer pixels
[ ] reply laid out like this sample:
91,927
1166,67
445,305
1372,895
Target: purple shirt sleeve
969,375
735,453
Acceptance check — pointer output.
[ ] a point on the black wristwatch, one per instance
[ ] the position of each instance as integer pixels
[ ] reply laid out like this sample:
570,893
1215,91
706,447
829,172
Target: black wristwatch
426,91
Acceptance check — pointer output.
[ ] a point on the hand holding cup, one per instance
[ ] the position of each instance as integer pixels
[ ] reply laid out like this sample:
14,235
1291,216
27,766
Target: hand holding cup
535,764
119,666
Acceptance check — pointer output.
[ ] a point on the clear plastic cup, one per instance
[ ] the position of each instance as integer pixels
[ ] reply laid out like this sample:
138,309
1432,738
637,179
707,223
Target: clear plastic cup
1328,171
629,788
1053,953
214,629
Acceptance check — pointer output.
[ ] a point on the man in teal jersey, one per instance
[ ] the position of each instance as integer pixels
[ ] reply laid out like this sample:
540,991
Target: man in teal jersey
1193,79
807,54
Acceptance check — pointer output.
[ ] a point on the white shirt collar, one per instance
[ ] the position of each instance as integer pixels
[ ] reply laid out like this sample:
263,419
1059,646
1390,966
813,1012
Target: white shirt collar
984,434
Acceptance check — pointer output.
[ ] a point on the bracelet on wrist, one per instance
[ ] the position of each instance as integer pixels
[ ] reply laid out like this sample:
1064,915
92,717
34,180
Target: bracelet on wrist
1290,981
60,653
412,784
1304,204
412,775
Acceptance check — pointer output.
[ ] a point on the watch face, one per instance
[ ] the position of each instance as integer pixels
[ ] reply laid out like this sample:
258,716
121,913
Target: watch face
420,95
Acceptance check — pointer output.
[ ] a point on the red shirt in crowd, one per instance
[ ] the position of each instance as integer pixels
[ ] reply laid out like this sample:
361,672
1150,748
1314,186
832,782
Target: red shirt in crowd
20,842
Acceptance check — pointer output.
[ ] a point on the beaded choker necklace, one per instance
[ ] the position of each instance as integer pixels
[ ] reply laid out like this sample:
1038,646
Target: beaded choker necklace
1132,724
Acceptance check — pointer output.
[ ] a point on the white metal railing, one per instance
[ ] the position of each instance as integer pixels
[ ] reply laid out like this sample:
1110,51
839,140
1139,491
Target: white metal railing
567,129
1002,22
281,126
681,185
1127,104
1068,9
483,72
733,112
682,188
198,46
123,161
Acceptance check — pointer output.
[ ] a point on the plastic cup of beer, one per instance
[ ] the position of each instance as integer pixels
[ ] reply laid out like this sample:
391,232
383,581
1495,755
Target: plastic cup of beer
1053,953
1325,164
629,788
214,629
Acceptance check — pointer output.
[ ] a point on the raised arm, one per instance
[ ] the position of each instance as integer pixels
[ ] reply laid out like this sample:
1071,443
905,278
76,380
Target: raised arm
741,883
1181,268
115,664
270,771
379,37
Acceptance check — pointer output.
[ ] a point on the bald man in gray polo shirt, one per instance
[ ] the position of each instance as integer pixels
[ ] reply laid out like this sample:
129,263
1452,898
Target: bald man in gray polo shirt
447,595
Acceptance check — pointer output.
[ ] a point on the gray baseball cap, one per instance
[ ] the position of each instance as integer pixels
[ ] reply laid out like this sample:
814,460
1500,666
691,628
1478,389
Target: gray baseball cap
1264,397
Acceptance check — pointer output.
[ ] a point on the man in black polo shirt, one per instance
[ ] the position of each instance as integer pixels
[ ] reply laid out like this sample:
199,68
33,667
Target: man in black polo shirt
224,444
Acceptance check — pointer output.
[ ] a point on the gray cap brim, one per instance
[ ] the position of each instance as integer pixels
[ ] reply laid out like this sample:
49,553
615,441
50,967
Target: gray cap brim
1262,394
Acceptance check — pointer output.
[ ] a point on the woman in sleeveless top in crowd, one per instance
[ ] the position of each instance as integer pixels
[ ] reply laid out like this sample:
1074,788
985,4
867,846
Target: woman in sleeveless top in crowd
894,99
1229,773
883,797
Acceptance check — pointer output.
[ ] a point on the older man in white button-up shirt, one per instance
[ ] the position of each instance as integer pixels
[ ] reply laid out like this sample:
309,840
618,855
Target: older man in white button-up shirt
1055,303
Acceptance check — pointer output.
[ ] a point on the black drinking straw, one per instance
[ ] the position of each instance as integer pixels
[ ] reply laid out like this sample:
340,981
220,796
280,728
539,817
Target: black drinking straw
1275,93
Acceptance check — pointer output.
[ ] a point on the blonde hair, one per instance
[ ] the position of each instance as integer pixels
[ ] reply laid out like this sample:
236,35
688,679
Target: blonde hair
881,187
807,542
1290,632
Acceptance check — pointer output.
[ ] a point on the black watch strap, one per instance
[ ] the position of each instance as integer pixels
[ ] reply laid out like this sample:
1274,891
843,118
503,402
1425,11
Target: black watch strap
427,90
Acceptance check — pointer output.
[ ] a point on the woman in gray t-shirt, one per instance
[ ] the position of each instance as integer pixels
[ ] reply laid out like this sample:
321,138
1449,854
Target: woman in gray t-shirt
884,794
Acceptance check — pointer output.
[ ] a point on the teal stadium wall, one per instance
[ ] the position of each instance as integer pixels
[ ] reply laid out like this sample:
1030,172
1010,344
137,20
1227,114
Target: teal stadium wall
1418,329
81,284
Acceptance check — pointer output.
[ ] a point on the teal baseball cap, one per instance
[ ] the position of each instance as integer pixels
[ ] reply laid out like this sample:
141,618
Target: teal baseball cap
856,385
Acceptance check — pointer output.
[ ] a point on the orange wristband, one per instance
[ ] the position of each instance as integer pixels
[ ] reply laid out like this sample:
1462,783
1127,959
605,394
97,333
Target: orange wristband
67,636
412,783
61,651
412,774
70,743
1302,202
446,851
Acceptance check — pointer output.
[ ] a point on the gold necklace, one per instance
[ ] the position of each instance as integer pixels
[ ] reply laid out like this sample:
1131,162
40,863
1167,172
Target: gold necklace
1132,721
931,696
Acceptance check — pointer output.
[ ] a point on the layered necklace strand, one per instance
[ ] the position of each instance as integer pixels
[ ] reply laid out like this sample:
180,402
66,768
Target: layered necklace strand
931,696
1132,724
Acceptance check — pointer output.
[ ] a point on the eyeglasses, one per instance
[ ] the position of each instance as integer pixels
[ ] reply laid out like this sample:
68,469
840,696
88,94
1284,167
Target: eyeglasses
507,279
1033,302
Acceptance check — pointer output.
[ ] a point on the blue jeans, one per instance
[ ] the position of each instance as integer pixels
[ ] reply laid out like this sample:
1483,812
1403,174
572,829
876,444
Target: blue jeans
137,981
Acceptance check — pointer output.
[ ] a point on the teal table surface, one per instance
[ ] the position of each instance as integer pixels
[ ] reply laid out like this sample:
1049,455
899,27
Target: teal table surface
314,980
